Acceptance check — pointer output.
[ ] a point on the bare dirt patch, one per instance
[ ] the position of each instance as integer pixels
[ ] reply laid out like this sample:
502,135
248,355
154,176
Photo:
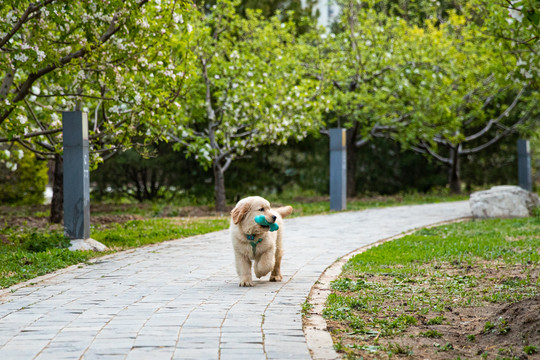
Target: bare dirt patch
488,311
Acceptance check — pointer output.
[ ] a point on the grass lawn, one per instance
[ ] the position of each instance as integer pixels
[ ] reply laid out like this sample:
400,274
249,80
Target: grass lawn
459,291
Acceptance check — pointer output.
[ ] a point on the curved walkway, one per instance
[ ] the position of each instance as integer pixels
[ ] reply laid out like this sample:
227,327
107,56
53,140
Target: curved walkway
181,300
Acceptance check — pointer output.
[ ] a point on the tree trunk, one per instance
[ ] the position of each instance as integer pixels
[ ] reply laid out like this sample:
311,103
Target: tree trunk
57,203
454,178
219,187
351,160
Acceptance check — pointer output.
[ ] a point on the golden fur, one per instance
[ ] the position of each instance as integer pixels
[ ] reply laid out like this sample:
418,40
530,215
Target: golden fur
269,251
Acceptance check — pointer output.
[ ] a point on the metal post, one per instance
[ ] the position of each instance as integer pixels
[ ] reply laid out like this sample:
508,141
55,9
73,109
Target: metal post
524,164
338,169
77,182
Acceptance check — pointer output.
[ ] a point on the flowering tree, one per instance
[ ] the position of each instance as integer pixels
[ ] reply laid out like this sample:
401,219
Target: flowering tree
121,61
249,90
461,100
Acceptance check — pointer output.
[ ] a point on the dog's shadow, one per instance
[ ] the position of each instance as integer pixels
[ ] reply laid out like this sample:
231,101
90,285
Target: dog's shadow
258,285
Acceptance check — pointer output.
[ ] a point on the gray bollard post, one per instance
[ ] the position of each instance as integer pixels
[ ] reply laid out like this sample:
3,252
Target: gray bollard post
77,182
524,164
338,169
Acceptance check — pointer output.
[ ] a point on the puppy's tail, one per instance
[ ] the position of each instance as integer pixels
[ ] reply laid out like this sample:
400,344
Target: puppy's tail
284,211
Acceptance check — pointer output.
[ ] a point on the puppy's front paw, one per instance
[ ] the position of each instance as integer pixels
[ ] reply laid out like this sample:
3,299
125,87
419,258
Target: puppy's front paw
245,283
276,278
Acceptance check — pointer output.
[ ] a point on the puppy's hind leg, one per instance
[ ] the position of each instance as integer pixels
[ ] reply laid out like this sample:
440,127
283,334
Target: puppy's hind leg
243,269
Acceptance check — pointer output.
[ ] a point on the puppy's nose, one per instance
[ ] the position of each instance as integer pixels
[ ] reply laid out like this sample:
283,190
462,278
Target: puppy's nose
274,217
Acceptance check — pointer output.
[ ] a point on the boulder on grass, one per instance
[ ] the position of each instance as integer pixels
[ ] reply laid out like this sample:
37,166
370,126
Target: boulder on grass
503,202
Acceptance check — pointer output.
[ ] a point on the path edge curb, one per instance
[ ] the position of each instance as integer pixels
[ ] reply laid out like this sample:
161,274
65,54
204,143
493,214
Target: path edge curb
318,338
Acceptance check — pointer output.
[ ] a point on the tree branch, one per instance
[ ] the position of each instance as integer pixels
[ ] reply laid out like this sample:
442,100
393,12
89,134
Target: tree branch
425,148
35,151
500,135
495,121
30,135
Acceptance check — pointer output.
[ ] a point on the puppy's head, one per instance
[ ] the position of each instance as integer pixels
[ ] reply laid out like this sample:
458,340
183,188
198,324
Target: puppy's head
245,211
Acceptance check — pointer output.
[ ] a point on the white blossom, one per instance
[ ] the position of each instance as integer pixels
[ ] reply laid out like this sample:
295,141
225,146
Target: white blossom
515,13
40,55
178,18
21,57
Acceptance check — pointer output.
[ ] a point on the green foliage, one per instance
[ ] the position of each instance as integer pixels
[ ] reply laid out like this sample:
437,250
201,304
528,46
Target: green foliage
399,349
38,242
431,334
445,347
516,26
530,349
438,320
500,327
22,177
306,308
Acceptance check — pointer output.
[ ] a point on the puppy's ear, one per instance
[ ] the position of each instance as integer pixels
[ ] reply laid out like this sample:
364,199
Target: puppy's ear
239,212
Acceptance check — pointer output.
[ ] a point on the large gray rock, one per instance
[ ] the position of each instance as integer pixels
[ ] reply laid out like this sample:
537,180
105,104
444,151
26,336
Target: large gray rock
503,202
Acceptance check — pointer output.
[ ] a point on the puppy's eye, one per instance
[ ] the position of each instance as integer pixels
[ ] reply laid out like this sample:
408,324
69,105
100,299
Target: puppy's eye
261,209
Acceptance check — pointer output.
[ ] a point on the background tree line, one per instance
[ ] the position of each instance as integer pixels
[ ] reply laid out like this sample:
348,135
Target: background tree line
188,98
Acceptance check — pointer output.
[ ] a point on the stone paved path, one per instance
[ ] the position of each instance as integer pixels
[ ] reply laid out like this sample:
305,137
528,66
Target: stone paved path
181,300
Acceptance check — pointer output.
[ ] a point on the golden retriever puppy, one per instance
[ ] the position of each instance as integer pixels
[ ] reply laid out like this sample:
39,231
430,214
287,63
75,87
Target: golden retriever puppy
252,241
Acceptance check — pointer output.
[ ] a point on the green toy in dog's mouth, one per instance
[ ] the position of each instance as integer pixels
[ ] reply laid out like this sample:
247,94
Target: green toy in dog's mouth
261,220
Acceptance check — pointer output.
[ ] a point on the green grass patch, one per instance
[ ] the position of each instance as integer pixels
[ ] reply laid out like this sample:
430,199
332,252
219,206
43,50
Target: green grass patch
149,231
431,334
530,349
25,255
438,320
